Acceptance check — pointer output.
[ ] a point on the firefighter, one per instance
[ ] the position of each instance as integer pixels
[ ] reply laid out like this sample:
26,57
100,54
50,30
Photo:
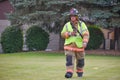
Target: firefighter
76,37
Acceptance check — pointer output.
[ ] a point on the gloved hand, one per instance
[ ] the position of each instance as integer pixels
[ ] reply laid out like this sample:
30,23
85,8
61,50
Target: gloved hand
72,33
84,44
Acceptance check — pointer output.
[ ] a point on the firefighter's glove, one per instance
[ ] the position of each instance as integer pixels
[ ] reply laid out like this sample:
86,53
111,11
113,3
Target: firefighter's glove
84,44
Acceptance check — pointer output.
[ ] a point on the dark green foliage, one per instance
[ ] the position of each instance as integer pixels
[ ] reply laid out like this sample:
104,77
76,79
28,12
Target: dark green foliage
96,37
12,39
101,14
104,13
37,38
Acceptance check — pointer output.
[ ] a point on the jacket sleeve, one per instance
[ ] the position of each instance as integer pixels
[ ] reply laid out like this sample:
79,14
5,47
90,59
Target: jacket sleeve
64,32
85,33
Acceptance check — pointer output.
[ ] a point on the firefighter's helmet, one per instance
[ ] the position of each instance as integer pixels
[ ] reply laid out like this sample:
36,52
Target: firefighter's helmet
74,11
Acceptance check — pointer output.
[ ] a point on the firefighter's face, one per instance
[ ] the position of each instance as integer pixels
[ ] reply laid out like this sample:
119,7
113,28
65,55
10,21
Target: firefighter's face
73,18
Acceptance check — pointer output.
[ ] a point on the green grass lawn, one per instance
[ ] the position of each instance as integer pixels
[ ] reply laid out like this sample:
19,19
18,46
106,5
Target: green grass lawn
51,66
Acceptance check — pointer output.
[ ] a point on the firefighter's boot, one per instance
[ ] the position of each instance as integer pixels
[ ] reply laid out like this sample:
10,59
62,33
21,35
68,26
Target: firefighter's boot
79,74
68,75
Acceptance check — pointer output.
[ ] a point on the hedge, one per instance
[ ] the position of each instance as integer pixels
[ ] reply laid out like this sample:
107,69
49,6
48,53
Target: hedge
12,39
36,38
96,37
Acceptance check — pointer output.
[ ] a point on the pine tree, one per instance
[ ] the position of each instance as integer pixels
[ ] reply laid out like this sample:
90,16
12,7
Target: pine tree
52,14
105,13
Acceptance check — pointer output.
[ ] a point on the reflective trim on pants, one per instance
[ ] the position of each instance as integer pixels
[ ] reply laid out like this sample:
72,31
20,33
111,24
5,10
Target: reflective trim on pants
70,70
79,70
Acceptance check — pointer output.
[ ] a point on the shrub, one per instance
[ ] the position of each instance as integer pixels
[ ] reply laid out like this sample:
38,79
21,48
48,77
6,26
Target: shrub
36,38
96,37
12,39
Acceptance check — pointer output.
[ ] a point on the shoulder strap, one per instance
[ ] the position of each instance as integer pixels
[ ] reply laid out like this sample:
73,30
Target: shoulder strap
76,28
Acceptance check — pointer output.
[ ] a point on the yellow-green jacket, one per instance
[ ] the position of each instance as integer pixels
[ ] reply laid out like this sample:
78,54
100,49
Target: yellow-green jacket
78,40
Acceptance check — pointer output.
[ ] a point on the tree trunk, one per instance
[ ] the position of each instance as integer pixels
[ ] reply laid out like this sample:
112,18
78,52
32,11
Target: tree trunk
119,44
117,38
61,44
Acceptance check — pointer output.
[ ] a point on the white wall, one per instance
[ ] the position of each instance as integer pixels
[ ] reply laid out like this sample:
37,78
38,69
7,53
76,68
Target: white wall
53,43
3,25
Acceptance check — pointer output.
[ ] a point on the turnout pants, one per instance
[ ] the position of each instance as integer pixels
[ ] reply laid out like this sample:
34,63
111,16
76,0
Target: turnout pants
71,57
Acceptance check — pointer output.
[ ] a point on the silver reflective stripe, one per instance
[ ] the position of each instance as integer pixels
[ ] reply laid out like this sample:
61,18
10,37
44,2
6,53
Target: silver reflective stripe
81,30
80,26
84,30
66,27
